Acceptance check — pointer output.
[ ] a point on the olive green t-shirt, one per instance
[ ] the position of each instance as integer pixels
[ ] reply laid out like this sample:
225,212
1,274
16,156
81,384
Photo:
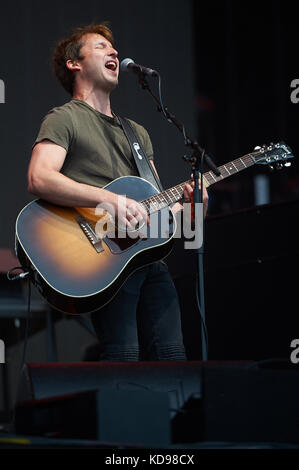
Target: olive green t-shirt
97,148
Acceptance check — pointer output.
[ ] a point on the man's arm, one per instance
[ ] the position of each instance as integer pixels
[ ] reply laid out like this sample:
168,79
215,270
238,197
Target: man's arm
45,181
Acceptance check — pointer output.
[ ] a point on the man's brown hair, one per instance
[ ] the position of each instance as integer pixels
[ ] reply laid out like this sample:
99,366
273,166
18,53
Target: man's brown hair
70,49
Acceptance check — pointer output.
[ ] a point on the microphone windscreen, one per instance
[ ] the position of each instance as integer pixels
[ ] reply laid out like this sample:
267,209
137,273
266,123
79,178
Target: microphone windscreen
124,64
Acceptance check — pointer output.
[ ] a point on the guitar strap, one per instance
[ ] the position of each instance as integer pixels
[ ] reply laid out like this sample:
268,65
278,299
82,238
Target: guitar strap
143,164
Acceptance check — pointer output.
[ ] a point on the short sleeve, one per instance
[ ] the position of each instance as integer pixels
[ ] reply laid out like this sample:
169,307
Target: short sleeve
57,127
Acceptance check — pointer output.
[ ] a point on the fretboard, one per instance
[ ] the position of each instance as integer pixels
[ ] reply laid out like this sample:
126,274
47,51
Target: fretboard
174,194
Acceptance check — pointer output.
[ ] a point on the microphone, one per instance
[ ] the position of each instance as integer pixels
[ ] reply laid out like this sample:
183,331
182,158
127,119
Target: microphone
128,65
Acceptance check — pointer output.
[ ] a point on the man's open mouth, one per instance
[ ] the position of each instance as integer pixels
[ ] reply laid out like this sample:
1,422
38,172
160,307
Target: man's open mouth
111,65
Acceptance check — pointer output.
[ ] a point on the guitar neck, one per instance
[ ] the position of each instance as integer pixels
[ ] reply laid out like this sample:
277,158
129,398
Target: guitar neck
174,194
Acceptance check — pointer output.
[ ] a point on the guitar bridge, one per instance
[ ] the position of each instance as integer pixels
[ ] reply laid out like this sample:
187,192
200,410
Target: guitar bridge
90,234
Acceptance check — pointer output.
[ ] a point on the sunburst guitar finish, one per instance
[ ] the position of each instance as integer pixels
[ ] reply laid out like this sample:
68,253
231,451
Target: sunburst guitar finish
75,273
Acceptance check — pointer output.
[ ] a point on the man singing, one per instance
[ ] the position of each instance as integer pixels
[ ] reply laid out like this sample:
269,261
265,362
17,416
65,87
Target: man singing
80,148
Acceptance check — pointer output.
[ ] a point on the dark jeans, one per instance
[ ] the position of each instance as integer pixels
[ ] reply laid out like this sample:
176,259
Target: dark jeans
143,320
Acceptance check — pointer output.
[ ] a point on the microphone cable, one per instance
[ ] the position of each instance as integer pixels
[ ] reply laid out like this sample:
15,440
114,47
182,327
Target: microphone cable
16,277
165,110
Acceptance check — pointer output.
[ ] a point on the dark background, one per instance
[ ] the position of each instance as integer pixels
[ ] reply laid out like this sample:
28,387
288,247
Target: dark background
226,70
246,59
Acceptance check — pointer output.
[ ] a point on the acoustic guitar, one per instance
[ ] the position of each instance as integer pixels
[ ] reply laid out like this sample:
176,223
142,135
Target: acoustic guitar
76,268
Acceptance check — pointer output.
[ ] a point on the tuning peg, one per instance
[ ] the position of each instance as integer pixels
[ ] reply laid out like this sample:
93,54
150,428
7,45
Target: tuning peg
288,164
271,167
279,166
257,147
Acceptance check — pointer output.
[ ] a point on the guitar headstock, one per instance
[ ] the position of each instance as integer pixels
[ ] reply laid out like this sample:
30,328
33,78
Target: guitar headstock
277,155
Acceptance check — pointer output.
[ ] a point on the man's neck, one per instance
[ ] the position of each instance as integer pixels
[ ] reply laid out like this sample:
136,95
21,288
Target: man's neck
97,100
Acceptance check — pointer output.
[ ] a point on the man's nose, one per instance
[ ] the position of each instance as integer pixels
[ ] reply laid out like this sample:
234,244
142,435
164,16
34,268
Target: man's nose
113,52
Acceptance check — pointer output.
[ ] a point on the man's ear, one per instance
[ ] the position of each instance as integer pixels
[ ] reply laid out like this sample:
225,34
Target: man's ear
73,65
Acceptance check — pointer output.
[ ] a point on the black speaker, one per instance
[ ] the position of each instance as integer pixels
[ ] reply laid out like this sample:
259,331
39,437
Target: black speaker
135,401
179,379
240,402
111,416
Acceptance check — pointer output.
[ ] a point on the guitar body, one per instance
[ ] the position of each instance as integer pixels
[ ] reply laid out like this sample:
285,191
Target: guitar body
67,269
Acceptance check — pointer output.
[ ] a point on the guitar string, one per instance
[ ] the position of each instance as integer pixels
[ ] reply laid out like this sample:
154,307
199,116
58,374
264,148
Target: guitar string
168,199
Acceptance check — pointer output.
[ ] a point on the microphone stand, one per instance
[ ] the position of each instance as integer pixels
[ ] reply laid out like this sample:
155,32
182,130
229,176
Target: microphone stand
197,160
